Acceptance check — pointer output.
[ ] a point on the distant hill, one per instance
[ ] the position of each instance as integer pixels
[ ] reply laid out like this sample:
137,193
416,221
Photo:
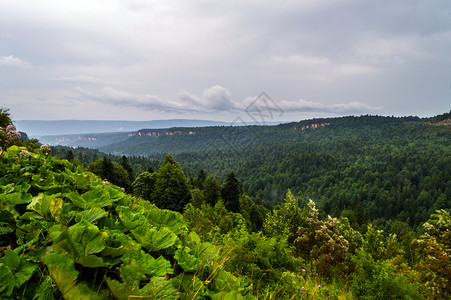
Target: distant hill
194,139
39,128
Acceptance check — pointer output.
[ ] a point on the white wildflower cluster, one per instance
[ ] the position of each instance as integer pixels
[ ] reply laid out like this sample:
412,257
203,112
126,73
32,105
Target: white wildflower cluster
24,154
8,136
45,149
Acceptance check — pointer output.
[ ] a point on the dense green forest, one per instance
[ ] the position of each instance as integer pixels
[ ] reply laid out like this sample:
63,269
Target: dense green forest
355,209
389,168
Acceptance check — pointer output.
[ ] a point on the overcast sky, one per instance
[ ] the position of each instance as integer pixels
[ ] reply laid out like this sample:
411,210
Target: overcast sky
144,60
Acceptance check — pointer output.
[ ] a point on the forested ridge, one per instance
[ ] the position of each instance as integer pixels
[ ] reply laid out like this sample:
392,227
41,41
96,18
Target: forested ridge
357,208
390,167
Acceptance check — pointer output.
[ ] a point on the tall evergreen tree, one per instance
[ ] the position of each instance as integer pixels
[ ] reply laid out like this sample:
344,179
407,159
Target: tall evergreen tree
171,186
111,171
70,155
201,178
212,189
127,167
231,192
107,170
144,186
5,118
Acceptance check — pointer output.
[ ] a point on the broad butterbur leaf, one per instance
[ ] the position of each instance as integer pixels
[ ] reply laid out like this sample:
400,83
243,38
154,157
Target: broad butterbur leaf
187,261
7,280
117,243
15,198
61,269
91,215
139,265
131,218
97,197
90,261
166,218
159,288
20,268
85,239
154,239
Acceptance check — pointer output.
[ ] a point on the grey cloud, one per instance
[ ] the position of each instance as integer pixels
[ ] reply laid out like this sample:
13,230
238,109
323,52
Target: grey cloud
12,61
354,107
83,79
390,54
215,98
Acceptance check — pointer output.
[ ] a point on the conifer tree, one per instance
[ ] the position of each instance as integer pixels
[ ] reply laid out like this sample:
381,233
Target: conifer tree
127,167
212,190
144,186
231,192
171,186
5,118
70,155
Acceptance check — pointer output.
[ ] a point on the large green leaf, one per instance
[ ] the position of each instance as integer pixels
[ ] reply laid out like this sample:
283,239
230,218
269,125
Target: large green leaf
139,265
131,218
118,243
85,239
46,206
115,193
45,290
90,261
167,218
189,286
15,198
154,239
7,222
187,261
46,183
121,291
77,200
11,259
80,180
61,269
97,197
7,280
91,215
159,288
21,269
232,295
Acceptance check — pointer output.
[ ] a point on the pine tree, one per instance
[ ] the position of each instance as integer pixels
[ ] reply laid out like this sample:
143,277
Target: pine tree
171,186
5,118
127,167
201,178
212,190
70,155
107,170
144,186
231,192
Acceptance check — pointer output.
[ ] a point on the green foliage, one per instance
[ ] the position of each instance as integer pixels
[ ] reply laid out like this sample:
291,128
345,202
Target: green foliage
111,171
435,270
144,186
127,167
5,117
286,219
212,189
322,242
91,241
377,280
171,186
231,193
